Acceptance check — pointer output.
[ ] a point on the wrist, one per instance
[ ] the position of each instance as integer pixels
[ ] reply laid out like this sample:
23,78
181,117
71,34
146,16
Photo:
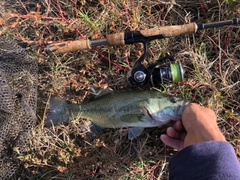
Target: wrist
203,133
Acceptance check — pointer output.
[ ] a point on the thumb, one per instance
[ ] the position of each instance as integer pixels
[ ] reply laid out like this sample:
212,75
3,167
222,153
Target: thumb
174,143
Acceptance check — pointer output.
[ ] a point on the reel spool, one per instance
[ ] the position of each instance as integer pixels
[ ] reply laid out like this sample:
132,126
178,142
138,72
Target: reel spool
165,74
164,71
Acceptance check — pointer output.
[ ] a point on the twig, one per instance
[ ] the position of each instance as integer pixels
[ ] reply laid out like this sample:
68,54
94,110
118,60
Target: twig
23,6
203,9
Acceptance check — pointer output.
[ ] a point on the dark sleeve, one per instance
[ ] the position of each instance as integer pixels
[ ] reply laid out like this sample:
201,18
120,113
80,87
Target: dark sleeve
212,160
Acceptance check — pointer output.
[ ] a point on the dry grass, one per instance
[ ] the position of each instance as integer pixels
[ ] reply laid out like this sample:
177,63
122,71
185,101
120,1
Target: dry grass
210,57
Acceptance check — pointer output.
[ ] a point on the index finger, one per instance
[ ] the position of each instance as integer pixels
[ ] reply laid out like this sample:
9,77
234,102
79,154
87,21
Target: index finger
178,126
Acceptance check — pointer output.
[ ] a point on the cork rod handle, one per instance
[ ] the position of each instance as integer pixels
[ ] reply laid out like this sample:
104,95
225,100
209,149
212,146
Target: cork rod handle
168,31
171,31
69,46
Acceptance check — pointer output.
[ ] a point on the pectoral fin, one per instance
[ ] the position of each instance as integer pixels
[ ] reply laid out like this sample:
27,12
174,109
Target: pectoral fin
134,132
130,118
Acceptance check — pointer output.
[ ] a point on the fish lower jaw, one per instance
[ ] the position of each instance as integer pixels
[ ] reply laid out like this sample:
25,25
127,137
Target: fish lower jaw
144,125
150,124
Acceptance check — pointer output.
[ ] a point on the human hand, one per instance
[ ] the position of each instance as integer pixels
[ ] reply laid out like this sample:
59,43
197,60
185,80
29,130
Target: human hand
198,125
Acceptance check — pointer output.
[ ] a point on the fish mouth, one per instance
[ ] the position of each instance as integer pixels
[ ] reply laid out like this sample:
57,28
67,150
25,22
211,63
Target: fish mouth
176,112
149,114
180,109
184,103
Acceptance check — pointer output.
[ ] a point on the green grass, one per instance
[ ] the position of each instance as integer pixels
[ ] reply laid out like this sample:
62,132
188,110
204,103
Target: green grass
211,79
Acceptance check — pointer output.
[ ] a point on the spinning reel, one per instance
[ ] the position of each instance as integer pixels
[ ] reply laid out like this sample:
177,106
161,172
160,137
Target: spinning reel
163,71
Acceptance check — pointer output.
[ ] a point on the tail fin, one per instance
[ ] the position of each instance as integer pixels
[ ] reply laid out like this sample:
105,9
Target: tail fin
58,112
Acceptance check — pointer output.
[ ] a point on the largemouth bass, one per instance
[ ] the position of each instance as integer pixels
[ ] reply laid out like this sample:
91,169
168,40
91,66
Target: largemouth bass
132,109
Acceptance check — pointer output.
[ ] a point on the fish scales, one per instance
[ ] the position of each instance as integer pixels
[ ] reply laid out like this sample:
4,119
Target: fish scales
114,106
121,109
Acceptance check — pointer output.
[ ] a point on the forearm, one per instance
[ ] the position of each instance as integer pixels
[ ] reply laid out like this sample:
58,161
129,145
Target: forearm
208,160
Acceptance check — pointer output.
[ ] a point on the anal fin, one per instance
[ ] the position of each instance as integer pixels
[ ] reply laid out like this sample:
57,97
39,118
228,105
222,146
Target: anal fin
134,132
96,128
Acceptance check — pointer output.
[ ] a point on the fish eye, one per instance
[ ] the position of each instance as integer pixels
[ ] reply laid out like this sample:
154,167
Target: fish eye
173,99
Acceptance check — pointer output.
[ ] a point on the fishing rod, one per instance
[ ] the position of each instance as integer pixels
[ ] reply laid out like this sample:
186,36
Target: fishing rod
164,70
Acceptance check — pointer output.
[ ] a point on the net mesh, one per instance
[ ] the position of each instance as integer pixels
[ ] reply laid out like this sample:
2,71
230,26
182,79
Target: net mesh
18,102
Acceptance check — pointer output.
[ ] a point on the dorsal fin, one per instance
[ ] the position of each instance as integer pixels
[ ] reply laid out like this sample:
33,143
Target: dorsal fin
100,92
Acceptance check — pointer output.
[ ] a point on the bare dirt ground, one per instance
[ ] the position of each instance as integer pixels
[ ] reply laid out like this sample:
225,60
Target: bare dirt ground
211,59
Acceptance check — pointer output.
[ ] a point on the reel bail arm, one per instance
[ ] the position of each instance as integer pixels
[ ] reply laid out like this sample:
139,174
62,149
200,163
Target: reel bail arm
139,74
